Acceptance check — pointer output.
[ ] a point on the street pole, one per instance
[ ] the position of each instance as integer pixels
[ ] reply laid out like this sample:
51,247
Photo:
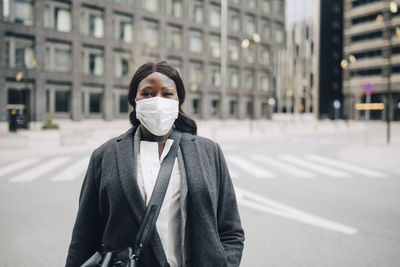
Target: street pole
392,9
224,45
367,111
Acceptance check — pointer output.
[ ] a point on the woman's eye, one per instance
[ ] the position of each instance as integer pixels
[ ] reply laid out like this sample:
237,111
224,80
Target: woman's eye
146,94
168,94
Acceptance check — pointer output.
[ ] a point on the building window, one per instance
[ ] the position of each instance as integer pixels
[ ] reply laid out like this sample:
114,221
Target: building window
234,20
122,68
279,7
123,28
195,41
215,108
195,75
175,8
366,37
249,54
58,99
265,56
233,108
19,11
250,25
58,57
215,16
264,82
57,16
235,2
95,102
196,106
176,63
151,5
215,46
62,101
233,49
92,22
215,76
197,10
125,2
251,4
249,80
358,3
151,33
123,104
234,78
93,61
266,6
20,53
279,35
174,38
265,30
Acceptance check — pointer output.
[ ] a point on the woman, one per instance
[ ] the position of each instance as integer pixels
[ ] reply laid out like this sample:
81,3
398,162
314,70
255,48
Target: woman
199,222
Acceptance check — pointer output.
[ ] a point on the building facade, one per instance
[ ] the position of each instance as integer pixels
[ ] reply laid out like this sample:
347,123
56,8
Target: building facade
371,56
298,65
74,59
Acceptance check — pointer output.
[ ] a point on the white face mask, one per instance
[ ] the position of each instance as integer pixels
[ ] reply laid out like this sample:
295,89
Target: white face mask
157,114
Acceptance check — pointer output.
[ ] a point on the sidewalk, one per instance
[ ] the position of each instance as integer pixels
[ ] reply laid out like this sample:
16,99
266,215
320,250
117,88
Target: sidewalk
86,135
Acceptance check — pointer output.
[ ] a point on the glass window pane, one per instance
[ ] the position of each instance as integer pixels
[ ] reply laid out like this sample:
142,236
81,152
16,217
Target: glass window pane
215,16
250,25
95,102
233,50
195,42
123,104
151,34
197,11
266,6
234,20
62,101
174,8
23,12
215,76
62,60
215,47
175,38
62,20
151,5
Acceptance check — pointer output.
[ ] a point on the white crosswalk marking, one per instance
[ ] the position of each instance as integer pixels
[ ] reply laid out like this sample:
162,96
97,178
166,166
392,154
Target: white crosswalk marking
250,167
293,170
346,166
17,165
39,170
316,167
73,171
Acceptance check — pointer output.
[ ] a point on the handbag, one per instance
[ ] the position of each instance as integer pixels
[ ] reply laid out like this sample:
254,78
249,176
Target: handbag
129,257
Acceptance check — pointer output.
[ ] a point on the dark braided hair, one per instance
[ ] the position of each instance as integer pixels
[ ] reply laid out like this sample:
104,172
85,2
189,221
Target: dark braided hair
183,123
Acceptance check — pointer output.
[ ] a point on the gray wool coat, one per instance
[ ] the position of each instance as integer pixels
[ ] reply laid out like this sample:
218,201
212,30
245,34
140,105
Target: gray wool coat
111,206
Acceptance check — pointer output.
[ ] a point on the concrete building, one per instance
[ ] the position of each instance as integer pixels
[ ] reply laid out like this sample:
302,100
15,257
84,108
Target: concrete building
74,59
297,88
371,55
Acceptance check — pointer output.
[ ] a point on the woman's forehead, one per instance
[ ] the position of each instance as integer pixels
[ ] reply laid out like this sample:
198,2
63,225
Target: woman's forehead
157,77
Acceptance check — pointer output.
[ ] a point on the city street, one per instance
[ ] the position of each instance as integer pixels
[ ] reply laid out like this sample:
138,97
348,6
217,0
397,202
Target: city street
305,200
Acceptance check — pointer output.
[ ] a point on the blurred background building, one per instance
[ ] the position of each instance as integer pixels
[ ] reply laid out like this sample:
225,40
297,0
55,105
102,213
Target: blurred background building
371,55
296,91
75,59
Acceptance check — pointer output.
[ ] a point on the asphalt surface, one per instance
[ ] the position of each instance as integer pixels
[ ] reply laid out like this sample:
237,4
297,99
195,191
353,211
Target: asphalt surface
310,200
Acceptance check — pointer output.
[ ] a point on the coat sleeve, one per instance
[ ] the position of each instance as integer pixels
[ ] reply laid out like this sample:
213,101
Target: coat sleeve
230,229
87,231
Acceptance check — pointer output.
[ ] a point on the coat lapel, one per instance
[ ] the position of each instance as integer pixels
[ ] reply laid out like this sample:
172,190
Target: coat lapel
127,168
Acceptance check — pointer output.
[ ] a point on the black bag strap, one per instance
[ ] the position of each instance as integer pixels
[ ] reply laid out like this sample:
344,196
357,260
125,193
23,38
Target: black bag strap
157,197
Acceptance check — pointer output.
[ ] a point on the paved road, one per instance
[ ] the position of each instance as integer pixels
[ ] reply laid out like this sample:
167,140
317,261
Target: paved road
304,201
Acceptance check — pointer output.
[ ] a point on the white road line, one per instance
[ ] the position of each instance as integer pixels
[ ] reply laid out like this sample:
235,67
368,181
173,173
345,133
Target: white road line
316,167
17,165
39,170
254,201
293,170
348,167
73,171
249,167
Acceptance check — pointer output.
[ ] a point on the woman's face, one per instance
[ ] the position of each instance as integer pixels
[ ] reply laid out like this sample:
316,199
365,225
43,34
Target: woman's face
157,84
